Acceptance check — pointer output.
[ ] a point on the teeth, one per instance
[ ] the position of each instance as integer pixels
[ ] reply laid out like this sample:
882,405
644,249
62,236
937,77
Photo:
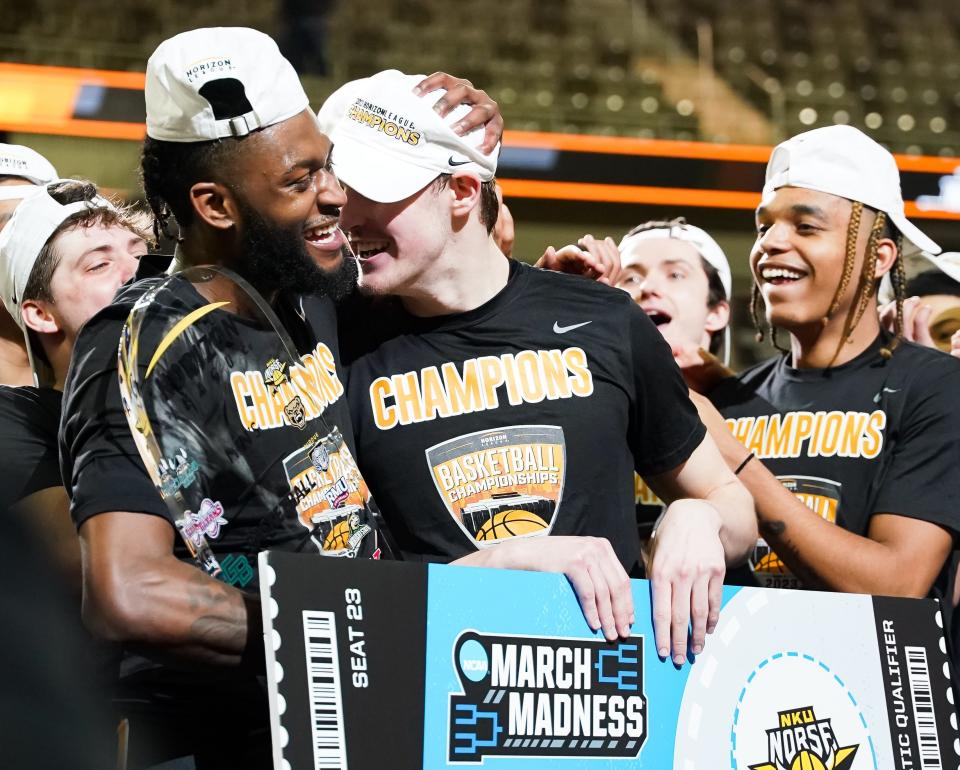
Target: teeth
363,247
321,233
769,273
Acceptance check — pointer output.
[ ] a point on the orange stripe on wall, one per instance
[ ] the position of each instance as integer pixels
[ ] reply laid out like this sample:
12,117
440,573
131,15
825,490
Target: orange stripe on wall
660,196
613,193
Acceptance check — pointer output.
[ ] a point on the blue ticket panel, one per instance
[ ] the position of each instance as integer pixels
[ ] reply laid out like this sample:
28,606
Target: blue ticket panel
415,667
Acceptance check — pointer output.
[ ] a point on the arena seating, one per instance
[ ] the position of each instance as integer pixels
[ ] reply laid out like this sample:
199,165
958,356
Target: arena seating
597,67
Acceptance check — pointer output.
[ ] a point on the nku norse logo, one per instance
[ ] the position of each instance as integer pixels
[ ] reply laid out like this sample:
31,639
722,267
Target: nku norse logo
800,741
546,697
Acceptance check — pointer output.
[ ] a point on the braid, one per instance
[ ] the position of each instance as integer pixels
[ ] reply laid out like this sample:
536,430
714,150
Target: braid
756,311
849,259
866,285
898,277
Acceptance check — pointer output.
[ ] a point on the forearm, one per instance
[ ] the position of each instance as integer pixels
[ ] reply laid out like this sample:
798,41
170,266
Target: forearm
174,609
738,522
824,555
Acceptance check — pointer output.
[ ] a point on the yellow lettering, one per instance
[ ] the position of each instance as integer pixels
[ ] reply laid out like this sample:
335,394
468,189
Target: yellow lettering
241,392
581,380
384,416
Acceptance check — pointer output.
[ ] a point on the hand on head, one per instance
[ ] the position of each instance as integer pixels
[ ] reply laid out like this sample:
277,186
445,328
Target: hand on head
590,258
457,91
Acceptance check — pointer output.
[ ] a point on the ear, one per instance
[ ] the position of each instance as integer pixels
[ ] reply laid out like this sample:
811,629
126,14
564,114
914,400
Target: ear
215,204
718,317
886,257
465,188
37,315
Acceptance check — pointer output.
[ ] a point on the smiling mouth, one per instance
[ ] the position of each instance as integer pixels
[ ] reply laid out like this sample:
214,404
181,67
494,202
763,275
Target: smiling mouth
322,234
365,248
780,276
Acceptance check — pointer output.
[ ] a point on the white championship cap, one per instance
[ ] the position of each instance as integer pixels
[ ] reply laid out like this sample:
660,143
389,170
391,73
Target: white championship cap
844,161
219,82
19,161
705,246
388,143
708,248
21,242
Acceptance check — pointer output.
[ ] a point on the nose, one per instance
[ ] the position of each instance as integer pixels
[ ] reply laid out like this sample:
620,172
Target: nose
649,286
330,193
128,267
772,241
354,210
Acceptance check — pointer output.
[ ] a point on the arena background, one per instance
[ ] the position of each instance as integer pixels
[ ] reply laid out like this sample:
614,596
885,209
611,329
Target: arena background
617,111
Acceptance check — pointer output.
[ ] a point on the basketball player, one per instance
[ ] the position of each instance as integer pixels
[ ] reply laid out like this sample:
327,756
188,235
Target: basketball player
235,155
495,403
852,433
680,277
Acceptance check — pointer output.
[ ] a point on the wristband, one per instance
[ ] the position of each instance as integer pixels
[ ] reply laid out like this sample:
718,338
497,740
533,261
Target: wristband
743,465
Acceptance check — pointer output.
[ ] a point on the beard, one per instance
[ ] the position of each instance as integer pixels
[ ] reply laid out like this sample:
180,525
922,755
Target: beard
275,258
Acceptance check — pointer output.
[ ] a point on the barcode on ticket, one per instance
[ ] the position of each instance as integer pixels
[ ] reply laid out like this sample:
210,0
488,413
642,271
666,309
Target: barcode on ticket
326,704
918,674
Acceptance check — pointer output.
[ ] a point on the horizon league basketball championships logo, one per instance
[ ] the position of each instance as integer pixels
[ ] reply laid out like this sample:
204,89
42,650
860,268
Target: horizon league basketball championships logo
546,697
802,742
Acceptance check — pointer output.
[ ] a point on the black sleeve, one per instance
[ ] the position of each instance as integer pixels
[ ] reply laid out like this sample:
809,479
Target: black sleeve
923,479
100,463
28,442
665,427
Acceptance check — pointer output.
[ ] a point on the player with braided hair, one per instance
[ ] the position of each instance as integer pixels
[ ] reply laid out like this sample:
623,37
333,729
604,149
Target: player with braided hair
854,429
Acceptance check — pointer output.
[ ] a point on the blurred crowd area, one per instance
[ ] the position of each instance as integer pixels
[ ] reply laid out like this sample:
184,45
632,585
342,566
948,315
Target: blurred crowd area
755,71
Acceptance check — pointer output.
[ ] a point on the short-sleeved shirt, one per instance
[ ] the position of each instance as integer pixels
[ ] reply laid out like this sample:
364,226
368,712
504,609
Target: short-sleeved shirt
870,436
236,442
29,420
526,416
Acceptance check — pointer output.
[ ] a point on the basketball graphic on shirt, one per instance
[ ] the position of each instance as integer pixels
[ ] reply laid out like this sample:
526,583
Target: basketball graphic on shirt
512,522
822,496
338,537
501,483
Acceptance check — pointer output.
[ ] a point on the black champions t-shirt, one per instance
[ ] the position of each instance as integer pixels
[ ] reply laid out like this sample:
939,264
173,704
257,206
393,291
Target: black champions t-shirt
870,436
242,448
525,416
29,419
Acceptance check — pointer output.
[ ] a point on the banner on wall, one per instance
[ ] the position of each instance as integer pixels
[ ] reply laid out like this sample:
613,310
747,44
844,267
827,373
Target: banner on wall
420,667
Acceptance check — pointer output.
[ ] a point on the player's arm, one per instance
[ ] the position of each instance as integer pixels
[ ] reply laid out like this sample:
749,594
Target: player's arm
900,556
708,523
46,514
590,564
137,592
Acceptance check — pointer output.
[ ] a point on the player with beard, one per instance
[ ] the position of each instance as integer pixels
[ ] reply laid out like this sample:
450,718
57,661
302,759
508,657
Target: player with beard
236,157
234,154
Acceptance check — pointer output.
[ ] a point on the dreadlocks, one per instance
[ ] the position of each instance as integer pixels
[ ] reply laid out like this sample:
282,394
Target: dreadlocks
866,285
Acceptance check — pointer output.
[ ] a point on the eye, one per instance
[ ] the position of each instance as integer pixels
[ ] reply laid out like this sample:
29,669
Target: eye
762,229
302,183
806,228
677,275
97,266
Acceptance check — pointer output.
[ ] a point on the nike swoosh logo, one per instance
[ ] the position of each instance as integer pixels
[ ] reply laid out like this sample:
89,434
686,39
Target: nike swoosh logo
453,162
564,329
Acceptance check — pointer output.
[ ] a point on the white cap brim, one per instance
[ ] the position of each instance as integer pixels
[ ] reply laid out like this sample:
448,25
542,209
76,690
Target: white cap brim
914,239
389,180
